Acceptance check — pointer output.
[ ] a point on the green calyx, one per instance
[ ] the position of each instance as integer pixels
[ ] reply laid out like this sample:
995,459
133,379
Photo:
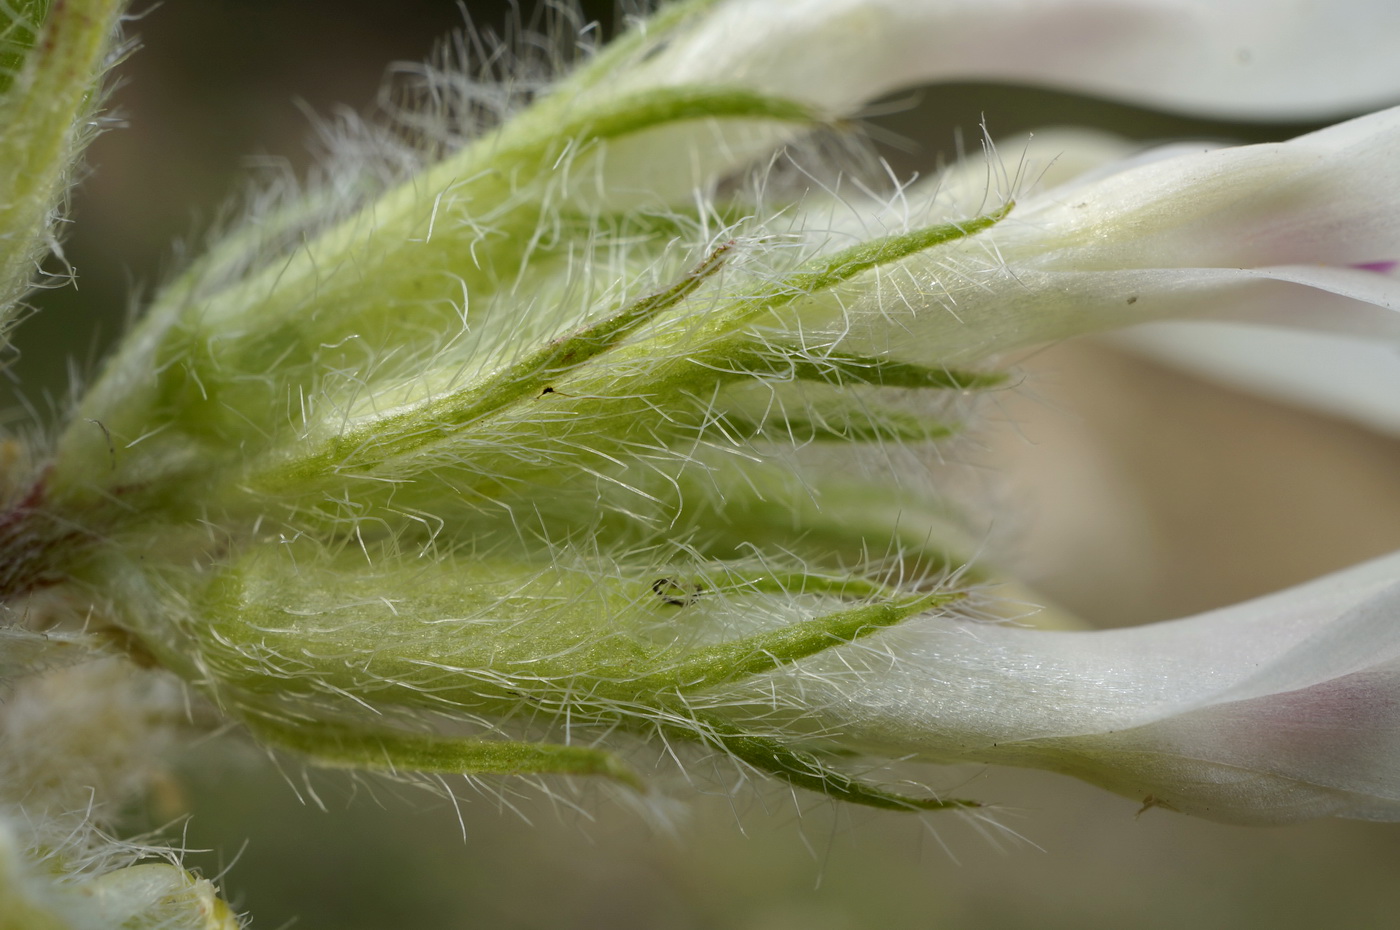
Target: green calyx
601,385
529,379
300,644
470,471
300,647
385,287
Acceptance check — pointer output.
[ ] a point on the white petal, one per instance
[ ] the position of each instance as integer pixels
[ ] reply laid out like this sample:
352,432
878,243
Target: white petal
1284,234
957,312
1278,709
1246,58
1342,377
1231,57
1328,197
1346,377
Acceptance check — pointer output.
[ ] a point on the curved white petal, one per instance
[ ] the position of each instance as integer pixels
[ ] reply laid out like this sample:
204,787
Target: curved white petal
1327,197
1300,234
1346,209
1342,377
1252,58
1278,709
1241,58
1010,309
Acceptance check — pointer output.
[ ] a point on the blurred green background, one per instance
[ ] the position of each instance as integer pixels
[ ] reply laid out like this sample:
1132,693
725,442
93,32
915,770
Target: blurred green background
1134,494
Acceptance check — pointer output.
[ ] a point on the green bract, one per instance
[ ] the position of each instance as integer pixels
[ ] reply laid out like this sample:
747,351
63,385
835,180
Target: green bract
50,63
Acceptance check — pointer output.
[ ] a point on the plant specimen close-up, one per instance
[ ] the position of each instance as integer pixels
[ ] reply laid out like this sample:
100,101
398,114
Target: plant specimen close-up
602,415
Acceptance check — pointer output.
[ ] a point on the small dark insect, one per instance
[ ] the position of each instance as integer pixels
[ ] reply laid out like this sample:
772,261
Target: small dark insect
674,593
550,390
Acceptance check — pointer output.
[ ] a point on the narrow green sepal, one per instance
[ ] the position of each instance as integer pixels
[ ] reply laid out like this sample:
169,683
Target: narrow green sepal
726,348
525,380
341,746
805,770
664,105
830,270
763,652
842,368
874,427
